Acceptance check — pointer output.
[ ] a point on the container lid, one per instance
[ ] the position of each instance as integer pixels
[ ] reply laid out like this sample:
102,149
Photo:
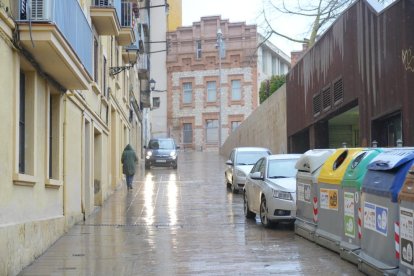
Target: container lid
387,172
407,191
358,167
391,158
334,168
312,160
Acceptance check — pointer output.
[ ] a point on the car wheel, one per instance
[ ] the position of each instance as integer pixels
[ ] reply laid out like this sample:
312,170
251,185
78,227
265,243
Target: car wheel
175,166
263,213
233,189
247,213
147,166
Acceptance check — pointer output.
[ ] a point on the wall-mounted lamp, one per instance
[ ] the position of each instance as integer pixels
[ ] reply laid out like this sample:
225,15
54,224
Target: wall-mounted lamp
131,50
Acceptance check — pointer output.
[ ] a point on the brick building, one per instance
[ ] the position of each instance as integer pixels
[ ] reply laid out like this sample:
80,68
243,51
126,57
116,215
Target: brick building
193,108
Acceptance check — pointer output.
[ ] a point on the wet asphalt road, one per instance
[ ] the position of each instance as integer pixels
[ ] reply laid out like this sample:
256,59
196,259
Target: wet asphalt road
183,222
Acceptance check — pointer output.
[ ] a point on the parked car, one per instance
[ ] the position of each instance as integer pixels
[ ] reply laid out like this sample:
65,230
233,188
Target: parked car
161,152
270,189
240,163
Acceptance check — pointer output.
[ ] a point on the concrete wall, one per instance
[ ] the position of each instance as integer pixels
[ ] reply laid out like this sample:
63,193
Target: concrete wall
265,127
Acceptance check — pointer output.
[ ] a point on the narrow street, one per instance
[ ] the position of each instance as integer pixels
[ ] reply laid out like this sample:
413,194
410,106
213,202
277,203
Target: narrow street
183,222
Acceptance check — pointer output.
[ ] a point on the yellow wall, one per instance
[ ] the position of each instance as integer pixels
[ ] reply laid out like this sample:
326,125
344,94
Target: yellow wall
175,15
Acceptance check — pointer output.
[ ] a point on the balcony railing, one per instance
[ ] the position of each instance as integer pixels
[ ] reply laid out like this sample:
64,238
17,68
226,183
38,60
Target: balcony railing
143,63
125,14
69,19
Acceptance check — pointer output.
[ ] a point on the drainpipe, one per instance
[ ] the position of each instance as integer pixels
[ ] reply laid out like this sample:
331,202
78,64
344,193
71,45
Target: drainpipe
64,153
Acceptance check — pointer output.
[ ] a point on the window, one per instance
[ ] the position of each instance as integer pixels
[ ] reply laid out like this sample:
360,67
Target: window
211,131
187,133
53,139
198,49
235,125
211,91
22,122
95,59
156,102
26,122
187,93
235,90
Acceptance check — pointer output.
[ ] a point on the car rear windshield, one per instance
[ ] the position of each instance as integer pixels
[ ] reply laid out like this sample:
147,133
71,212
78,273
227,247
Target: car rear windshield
249,157
280,168
161,144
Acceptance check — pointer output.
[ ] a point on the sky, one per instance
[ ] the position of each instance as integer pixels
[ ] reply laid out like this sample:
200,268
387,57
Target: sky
247,11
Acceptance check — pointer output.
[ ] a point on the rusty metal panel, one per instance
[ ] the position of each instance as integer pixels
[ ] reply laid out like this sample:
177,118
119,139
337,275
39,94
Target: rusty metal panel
373,55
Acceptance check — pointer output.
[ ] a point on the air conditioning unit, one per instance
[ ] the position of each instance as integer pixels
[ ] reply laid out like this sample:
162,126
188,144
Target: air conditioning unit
36,10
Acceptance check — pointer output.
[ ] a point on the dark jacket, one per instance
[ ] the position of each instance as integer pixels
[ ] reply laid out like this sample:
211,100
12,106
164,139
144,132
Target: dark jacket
129,160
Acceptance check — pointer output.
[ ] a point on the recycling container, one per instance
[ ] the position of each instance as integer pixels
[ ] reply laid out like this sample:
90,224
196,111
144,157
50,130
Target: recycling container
351,213
329,227
308,166
406,224
380,188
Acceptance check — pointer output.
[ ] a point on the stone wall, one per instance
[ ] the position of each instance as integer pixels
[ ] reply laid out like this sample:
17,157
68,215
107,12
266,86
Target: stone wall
265,127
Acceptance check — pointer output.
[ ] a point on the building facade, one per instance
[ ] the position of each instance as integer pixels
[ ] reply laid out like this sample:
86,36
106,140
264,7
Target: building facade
271,61
71,102
158,57
354,86
195,105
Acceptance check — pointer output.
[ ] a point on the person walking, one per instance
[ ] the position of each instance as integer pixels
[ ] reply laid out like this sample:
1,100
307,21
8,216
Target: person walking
129,161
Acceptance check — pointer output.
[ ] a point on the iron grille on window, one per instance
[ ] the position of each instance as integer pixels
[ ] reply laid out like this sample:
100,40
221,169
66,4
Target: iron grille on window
338,91
317,105
326,98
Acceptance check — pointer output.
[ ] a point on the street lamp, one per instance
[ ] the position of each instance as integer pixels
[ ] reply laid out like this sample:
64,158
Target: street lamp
219,47
131,50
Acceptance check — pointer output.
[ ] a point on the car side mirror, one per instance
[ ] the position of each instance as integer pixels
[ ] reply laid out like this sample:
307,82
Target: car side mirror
229,162
145,147
256,175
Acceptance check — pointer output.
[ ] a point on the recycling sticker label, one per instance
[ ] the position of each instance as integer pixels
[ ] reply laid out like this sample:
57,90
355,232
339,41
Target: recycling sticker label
406,236
304,192
376,218
349,214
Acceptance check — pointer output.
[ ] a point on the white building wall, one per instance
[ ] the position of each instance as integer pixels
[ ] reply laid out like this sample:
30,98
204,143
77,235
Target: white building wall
158,69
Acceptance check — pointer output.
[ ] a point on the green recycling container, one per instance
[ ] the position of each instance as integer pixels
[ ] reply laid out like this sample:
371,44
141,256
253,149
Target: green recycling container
351,212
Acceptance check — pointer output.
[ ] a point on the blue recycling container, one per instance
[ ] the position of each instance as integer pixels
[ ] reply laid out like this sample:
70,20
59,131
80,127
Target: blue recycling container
380,189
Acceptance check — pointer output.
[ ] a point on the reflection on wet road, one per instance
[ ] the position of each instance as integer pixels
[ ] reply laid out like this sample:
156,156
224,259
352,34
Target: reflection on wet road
183,222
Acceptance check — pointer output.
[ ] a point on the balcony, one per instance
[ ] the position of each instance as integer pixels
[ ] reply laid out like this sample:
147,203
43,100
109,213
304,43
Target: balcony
145,94
143,66
58,36
104,16
126,35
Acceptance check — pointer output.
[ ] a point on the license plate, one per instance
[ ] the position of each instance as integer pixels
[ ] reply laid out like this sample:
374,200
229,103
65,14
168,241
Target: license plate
161,161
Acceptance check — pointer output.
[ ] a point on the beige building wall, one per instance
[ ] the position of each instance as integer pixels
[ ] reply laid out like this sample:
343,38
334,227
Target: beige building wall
265,127
73,144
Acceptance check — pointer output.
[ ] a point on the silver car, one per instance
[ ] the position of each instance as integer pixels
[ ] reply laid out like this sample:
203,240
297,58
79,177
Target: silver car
240,163
270,189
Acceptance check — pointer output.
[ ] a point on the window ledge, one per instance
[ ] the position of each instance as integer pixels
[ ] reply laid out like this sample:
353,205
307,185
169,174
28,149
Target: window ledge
96,88
24,180
53,184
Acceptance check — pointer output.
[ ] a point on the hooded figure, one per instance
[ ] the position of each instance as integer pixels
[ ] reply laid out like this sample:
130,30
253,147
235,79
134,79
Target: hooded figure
129,161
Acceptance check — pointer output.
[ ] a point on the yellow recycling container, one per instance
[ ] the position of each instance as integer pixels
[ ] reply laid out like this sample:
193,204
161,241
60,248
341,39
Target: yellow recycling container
330,204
